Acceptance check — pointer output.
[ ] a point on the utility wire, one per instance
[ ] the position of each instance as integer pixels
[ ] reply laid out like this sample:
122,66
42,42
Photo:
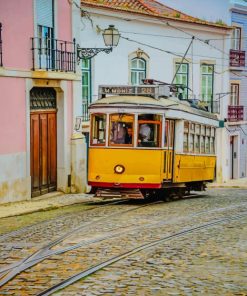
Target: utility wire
197,38
183,58
148,45
177,54
236,130
180,37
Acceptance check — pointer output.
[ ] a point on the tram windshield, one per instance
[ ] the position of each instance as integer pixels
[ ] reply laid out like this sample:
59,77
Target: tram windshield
98,129
121,129
149,130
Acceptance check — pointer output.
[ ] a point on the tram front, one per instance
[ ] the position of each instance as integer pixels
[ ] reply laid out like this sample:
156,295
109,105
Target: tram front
125,150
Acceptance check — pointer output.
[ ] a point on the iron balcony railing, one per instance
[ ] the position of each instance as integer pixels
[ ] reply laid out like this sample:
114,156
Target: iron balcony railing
53,54
236,113
237,58
1,48
85,111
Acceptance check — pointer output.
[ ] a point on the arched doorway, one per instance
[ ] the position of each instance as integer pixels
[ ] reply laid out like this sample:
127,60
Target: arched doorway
43,135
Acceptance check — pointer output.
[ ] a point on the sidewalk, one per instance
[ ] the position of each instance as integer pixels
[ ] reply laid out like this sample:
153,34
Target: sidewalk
57,199
46,202
234,183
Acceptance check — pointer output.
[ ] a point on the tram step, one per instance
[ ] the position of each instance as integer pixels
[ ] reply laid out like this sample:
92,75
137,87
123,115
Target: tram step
119,193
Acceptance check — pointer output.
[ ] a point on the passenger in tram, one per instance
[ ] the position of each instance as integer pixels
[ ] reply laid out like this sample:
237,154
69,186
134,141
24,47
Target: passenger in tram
118,133
128,136
144,132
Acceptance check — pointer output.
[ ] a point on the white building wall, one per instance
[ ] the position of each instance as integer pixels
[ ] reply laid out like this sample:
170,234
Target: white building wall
113,68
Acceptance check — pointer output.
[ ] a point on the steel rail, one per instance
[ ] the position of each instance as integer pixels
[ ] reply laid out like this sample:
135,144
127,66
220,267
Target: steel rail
11,270
85,273
110,236
20,231
32,262
8,274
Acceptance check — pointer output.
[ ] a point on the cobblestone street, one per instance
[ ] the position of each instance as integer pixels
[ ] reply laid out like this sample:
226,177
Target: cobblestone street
194,246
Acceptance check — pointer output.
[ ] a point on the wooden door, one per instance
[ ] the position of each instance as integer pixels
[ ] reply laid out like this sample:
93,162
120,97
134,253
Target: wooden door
43,152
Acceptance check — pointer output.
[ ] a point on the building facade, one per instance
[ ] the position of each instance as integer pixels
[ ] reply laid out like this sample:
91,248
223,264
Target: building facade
40,84
164,44
237,109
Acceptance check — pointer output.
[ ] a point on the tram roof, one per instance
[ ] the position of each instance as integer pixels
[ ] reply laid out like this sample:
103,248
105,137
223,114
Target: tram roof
133,102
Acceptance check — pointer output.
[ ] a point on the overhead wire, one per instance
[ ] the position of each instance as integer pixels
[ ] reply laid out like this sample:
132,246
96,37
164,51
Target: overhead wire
151,46
176,54
178,37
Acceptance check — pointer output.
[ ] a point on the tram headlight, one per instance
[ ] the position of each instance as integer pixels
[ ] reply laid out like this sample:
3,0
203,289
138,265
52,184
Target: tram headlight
119,169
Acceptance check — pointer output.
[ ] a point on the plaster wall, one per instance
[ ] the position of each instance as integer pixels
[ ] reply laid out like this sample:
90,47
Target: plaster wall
12,114
16,35
64,20
113,68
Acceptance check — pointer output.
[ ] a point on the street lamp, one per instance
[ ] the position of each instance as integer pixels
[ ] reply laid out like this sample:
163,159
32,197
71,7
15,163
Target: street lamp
111,38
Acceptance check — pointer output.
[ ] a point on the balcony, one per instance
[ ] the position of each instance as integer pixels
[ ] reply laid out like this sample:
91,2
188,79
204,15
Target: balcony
237,58
235,113
53,54
1,49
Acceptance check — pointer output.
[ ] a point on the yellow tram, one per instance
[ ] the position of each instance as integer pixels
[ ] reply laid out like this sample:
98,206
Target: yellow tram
142,141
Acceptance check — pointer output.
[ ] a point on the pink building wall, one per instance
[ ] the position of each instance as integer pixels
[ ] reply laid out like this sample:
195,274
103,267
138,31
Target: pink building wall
16,35
12,115
64,21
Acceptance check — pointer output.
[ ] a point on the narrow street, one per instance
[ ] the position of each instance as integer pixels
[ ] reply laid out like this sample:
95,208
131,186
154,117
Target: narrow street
193,246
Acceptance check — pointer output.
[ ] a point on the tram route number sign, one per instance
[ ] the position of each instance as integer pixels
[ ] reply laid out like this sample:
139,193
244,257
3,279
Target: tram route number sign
127,90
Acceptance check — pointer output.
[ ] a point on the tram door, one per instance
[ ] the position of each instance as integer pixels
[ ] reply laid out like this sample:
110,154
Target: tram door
169,147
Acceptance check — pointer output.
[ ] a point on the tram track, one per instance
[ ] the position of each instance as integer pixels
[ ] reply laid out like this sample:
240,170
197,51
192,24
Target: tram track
85,273
8,273
4,236
11,271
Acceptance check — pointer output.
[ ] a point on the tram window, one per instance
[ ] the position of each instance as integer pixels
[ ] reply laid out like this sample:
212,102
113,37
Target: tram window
212,145
202,144
186,136
186,126
121,129
192,137
192,127
149,126
98,131
197,143
212,132
198,129
203,130
207,145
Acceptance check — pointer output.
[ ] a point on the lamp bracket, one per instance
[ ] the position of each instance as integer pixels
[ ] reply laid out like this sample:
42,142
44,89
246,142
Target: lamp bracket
88,53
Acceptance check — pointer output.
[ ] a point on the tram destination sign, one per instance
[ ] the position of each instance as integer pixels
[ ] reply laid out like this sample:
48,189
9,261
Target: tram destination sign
142,90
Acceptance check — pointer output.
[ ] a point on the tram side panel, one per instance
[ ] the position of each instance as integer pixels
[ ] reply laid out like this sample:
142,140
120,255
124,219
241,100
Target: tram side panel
142,168
193,168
